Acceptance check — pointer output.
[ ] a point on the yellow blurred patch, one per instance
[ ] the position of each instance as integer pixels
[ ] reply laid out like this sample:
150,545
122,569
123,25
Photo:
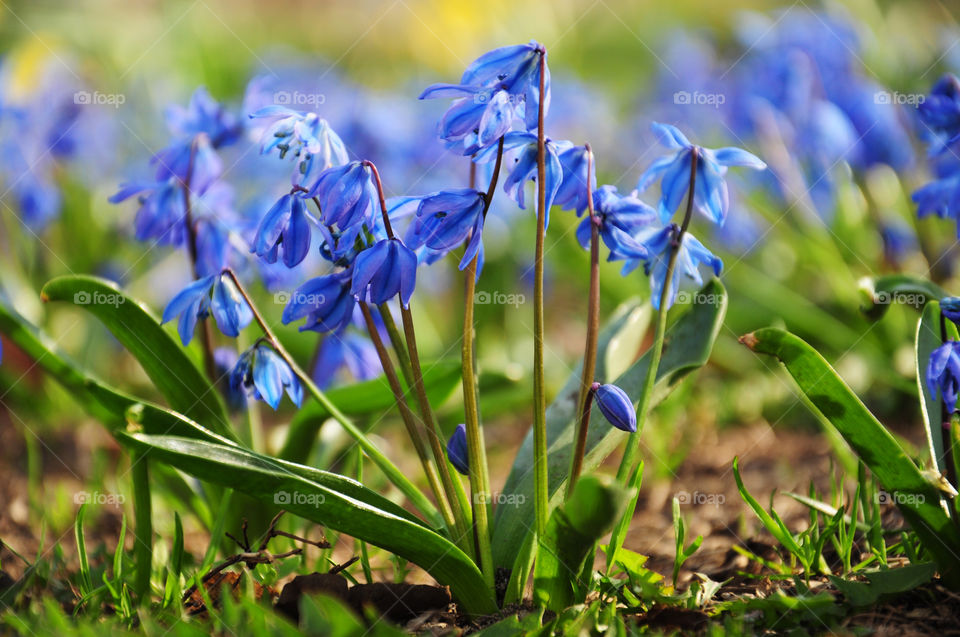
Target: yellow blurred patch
26,64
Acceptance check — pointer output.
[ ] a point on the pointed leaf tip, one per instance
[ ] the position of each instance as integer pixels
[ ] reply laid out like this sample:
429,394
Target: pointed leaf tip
750,340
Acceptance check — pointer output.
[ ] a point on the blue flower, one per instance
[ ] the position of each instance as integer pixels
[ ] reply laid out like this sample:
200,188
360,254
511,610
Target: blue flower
161,213
263,372
616,407
525,165
348,197
498,87
940,110
940,197
457,450
444,221
950,308
620,217
303,135
343,349
285,223
327,303
192,161
572,194
659,242
204,115
385,269
710,191
225,359
216,293
943,373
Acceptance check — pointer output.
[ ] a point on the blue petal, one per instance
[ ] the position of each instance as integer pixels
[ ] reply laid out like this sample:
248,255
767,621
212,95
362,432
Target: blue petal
737,157
670,136
497,117
457,450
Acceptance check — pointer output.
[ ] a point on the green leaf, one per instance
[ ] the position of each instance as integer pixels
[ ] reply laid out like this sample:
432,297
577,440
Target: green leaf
687,347
439,379
883,583
917,497
174,374
357,515
927,340
569,539
901,289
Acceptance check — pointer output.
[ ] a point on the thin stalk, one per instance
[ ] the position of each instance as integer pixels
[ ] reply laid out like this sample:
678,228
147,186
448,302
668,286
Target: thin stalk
476,449
206,333
389,469
540,475
143,528
627,463
590,345
409,419
409,356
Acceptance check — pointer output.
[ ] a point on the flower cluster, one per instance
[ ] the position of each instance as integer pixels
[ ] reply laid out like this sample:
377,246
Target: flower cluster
940,115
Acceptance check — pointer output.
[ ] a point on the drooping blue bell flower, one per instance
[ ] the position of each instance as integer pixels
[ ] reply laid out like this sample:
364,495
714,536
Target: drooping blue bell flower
215,293
192,162
943,373
620,218
300,135
326,302
224,360
286,224
457,450
264,373
382,271
710,192
572,193
616,407
444,221
659,242
940,110
161,213
348,197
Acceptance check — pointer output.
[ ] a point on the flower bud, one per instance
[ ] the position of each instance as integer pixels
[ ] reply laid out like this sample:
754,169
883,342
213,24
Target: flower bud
616,407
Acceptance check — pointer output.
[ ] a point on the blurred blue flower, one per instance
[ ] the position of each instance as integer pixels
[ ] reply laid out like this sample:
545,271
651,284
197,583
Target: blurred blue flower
225,359
444,221
161,212
261,371
572,193
204,116
499,87
326,301
457,450
659,242
620,218
950,308
940,110
216,293
285,223
344,349
943,373
616,407
384,270
898,240
710,191
192,161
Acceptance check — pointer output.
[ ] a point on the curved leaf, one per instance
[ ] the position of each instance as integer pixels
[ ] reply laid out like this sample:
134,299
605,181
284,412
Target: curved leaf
687,347
882,292
176,377
917,498
270,482
927,340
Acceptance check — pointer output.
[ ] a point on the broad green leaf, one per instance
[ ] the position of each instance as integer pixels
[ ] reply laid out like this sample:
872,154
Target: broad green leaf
897,289
928,339
439,378
271,482
687,347
917,497
174,374
887,582
571,534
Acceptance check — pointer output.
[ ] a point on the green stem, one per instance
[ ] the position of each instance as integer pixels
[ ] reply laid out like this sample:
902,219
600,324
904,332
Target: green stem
476,449
590,345
389,469
540,476
396,341
143,529
628,474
